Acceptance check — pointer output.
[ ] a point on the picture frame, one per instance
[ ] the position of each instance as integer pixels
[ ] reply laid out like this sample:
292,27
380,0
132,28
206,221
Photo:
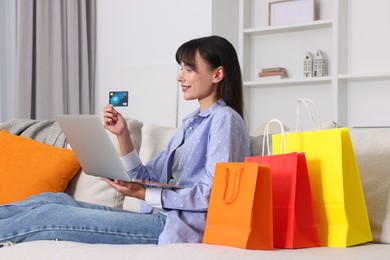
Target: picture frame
282,12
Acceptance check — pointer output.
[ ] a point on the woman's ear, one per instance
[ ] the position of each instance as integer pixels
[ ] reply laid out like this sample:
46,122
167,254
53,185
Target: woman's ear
218,74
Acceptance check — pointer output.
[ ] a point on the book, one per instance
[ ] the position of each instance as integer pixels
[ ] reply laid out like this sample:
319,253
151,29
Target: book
272,73
273,69
272,77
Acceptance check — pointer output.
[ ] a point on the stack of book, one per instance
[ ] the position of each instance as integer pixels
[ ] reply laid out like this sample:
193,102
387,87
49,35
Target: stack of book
273,73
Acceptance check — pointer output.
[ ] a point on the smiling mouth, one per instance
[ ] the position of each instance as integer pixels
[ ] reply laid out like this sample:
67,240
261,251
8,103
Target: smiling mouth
183,88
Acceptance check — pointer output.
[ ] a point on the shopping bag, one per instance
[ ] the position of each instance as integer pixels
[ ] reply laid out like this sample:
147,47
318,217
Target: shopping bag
240,207
294,220
337,191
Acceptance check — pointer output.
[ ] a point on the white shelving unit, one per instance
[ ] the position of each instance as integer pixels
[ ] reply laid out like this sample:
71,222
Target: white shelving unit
365,76
288,28
282,82
336,33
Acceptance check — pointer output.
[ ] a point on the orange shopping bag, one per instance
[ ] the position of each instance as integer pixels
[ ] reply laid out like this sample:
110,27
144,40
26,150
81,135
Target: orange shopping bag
240,208
294,219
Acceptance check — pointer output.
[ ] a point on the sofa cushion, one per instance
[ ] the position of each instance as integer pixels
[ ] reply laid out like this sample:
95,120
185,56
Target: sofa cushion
257,145
155,139
63,250
29,167
372,150
91,189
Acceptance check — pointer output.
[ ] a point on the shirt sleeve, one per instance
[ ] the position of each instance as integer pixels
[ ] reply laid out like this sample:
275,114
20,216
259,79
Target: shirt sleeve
151,171
131,160
153,197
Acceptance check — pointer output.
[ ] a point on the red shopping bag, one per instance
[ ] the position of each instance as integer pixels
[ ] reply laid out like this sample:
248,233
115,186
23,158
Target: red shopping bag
294,218
240,207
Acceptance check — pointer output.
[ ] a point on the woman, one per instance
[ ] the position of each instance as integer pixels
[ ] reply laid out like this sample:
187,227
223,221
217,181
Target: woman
216,132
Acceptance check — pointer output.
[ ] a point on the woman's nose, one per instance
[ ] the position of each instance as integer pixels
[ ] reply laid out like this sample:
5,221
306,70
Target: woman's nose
180,77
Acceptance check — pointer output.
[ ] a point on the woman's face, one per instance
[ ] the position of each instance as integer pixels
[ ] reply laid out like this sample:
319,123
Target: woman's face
200,84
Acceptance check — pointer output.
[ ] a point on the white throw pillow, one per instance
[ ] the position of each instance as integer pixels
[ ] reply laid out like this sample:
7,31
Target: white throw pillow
155,139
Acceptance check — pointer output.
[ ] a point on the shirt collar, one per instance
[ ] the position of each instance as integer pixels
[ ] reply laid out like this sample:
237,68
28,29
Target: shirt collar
205,113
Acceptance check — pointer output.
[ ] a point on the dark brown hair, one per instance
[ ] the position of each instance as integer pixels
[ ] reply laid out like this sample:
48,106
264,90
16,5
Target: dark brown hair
217,51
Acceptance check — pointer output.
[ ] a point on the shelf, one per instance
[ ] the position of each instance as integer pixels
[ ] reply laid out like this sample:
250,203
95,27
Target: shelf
285,82
319,24
365,76
337,33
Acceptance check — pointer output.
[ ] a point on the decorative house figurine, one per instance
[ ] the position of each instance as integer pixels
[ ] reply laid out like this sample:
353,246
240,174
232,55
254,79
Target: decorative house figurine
319,65
308,65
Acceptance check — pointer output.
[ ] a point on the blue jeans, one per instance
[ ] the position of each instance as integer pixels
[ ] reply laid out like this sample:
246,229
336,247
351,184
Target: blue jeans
57,216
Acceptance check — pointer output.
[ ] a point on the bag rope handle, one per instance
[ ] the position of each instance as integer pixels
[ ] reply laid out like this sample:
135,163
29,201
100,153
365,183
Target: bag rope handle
305,101
236,186
282,137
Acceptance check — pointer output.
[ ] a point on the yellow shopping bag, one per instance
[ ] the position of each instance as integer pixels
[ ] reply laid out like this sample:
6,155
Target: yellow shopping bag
337,191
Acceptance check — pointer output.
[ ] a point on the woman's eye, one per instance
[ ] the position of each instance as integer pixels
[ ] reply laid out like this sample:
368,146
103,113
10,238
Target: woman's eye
186,68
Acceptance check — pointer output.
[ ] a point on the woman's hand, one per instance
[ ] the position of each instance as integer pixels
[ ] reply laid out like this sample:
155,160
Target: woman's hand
127,188
116,124
114,121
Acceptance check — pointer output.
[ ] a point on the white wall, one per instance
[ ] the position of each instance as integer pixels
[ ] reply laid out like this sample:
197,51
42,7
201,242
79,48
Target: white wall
369,41
137,42
135,34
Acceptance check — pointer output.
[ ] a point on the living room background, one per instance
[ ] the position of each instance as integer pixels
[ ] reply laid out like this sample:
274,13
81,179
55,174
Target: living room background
137,41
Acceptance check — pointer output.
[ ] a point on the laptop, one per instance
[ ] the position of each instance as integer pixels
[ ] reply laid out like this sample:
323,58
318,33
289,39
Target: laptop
96,153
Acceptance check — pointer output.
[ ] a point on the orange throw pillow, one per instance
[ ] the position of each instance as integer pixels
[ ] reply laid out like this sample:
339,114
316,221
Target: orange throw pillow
28,167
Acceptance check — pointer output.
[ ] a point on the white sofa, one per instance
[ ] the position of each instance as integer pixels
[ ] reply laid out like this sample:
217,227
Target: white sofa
372,149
